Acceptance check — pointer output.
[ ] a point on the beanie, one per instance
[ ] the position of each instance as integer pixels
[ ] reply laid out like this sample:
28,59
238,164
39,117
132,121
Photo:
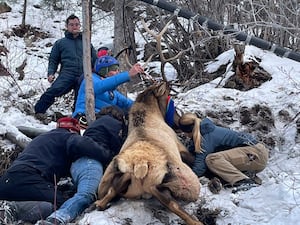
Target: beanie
102,52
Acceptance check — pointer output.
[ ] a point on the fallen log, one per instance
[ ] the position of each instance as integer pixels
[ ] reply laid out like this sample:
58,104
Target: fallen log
31,132
15,138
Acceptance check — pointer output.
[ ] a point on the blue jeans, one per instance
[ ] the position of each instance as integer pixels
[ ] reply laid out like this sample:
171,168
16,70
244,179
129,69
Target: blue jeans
86,174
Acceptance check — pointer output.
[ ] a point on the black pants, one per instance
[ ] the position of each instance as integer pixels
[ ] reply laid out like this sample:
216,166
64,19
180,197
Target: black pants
23,183
30,211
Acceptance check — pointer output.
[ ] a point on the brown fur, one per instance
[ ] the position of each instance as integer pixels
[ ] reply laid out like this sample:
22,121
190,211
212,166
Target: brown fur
149,163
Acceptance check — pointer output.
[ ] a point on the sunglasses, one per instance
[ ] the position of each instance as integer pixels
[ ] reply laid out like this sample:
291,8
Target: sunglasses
74,24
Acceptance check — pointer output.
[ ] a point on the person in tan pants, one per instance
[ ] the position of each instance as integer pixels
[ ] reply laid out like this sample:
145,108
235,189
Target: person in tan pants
229,164
228,154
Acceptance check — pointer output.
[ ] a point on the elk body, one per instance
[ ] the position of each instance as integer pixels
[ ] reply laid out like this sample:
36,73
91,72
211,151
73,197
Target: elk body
149,162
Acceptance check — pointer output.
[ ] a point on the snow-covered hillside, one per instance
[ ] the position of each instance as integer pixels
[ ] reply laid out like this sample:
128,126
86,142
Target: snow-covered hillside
275,202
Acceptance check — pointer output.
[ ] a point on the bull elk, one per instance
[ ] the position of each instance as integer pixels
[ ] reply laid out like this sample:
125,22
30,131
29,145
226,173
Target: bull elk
149,163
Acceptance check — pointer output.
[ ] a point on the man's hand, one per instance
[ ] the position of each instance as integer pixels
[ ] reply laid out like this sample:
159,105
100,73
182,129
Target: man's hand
51,78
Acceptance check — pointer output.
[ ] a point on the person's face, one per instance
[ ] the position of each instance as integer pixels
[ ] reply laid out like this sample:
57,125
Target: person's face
73,26
113,72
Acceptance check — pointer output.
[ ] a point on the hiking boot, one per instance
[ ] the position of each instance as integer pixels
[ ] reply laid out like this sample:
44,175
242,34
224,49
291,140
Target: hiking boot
50,221
8,213
243,185
252,175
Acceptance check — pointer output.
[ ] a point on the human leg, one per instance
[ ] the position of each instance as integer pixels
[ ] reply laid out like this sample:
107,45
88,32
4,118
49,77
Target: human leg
230,164
25,211
62,85
19,188
86,174
23,183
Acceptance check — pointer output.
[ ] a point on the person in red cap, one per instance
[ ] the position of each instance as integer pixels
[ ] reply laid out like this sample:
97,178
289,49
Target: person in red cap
29,186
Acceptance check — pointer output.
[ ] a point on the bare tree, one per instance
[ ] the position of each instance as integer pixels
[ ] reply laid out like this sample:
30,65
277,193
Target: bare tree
87,70
124,31
24,14
124,41
276,23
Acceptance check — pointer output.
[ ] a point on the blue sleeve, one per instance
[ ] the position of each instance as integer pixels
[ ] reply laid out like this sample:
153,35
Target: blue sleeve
54,59
110,83
122,101
200,166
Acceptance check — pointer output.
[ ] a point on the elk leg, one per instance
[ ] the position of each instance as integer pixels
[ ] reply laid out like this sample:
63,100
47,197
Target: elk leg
168,201
119,185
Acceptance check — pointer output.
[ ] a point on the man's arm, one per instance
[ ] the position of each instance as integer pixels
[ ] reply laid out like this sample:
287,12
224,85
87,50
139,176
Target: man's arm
200,166
83,146
54,60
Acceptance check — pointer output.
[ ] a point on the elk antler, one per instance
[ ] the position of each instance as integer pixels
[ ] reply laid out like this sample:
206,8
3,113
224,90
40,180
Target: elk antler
158,38
144,65
145,77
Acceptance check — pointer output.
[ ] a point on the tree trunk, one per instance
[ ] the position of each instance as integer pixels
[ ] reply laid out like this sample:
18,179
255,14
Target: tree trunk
87,70
124,32
91,13
24,14
124,37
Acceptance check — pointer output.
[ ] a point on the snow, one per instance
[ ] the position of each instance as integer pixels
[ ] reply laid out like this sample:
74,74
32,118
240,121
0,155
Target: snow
276,201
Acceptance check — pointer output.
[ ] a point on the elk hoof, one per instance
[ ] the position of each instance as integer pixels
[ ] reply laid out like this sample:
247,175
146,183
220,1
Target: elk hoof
100,206
90,208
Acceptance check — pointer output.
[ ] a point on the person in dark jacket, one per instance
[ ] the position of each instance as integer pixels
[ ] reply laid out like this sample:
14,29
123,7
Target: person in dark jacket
224,152
34,175
68,52
109,130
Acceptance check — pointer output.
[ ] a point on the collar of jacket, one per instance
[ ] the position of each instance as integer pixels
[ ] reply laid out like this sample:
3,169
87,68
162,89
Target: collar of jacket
70,35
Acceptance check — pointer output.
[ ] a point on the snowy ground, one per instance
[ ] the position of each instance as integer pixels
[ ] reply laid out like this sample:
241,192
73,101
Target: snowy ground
275,202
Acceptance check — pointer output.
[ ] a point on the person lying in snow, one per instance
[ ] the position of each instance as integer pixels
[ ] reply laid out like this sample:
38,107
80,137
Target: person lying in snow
29,185
229,154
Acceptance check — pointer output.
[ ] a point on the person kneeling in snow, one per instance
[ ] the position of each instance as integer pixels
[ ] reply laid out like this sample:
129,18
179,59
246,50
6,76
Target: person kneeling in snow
229,154
29,185
106,78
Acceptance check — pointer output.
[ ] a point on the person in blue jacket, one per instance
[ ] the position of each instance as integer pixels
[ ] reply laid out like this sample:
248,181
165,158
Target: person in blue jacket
106,78
68,53
224,152
29,186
